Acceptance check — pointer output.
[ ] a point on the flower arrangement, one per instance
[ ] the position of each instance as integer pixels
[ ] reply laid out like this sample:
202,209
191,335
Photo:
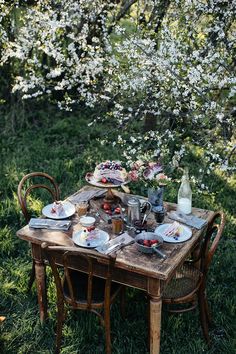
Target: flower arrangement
149,172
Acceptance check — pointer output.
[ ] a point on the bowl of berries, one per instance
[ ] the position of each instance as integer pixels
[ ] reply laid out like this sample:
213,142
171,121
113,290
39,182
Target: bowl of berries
148,242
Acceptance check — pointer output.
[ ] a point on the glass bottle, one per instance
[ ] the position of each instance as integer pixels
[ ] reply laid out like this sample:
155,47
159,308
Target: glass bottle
185,194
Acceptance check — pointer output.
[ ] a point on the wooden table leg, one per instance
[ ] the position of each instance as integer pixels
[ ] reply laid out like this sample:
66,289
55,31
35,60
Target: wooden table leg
155,307
40,277
155,324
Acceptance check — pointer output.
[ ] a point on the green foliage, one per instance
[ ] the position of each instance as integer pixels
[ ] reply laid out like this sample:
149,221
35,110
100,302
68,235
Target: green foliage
66,148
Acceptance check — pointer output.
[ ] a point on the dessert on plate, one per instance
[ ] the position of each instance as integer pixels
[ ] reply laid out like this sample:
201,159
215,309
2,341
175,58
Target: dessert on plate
87,236
110,172
57,208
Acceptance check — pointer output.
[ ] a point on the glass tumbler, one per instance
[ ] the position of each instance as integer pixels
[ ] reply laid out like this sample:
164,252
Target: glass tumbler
82,208
117,225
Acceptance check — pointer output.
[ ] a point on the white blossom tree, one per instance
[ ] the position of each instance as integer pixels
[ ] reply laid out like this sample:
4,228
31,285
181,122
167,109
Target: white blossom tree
161,71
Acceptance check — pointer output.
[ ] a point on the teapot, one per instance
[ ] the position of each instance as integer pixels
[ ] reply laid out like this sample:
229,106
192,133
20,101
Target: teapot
135,208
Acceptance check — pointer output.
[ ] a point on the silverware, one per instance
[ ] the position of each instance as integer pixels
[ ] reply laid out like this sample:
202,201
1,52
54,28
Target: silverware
50,224
115,246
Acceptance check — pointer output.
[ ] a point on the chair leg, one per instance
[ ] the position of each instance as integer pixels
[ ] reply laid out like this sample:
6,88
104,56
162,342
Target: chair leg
203,315
122,302
148,323
207,310
32,277
60,321
107,329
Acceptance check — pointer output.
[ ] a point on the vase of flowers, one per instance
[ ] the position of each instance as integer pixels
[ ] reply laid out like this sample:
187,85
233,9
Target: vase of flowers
153,176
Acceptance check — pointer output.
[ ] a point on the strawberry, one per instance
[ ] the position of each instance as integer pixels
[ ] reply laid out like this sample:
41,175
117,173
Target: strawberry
90,228
106,206
117,210
153,242
104,180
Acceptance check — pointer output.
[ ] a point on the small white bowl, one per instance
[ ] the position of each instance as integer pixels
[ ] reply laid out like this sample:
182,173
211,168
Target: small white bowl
87,221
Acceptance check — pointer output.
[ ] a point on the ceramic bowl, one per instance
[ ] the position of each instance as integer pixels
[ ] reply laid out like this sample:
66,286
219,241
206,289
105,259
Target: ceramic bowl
87,221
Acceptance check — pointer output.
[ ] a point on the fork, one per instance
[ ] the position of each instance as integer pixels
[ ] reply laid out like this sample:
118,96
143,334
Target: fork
116,246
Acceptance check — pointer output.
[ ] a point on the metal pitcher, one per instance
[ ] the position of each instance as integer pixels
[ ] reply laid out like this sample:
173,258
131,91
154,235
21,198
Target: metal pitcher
134,210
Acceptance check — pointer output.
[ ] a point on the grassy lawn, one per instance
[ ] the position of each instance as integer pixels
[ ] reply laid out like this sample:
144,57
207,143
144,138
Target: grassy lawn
67,149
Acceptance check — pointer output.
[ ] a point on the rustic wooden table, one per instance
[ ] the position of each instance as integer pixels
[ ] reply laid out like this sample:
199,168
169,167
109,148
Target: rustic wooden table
132,268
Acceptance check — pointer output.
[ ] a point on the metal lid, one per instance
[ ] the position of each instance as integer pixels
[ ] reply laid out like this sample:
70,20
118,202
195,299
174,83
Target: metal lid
133,202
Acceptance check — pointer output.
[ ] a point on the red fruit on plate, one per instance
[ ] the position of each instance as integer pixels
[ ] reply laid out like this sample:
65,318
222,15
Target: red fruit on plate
146,243
90,228
117,210
104,180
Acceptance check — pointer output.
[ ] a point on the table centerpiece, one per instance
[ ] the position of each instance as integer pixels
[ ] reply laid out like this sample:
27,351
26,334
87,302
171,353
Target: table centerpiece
151,173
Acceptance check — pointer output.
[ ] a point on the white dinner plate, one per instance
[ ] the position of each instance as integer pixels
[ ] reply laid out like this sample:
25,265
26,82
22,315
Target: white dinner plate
101,238
68,210
185,233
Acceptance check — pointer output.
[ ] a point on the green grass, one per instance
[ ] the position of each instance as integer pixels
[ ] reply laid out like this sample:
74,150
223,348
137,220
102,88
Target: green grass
62,145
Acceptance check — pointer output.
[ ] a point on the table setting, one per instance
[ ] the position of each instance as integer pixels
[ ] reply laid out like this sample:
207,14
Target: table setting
147,248
109,220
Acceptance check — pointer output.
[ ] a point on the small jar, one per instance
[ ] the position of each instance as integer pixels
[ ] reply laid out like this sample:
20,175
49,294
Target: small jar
159,216
82,208
117,225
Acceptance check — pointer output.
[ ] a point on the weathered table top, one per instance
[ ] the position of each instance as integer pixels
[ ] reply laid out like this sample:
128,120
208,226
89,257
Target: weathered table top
128,258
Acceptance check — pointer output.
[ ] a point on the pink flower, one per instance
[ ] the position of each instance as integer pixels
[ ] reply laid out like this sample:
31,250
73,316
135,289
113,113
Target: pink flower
137,164
133,175
161,176
148,172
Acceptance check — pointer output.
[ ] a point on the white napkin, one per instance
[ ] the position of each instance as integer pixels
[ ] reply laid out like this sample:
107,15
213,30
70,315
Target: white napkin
38,223
190,220
115,244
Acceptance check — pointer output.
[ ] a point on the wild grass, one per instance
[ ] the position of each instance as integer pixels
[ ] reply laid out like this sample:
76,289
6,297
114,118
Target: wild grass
63,146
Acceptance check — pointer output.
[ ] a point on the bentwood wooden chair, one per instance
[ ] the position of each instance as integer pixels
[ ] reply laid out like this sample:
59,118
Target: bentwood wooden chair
31,182
80,290
188,287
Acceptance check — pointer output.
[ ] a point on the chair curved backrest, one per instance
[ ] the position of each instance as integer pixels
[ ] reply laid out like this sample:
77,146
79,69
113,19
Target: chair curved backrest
29,183
211,240
80,287
87,263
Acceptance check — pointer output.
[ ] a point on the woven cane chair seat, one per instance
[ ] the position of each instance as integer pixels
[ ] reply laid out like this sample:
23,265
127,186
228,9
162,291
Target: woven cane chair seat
186,280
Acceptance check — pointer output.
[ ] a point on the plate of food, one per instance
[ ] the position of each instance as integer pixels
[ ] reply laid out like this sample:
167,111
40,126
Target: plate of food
90,239
58,210
108,174
174,233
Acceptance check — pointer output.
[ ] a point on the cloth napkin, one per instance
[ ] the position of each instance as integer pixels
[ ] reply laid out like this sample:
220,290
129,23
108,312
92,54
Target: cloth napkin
115,244
190,220
86,195
49,224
